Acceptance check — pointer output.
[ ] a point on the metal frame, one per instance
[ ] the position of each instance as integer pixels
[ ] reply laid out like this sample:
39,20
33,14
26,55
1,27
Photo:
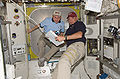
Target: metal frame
2,63
46,1
9,44
104,62
58,5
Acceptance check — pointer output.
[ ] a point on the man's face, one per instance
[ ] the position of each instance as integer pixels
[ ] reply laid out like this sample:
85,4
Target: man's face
56,18
71,20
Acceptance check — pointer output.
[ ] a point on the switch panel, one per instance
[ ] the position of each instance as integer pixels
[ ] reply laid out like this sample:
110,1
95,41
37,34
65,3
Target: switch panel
18,49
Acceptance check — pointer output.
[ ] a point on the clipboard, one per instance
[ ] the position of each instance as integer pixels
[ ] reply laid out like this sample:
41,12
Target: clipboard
51,36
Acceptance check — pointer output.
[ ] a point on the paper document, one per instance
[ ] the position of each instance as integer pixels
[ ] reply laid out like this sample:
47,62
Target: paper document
51,36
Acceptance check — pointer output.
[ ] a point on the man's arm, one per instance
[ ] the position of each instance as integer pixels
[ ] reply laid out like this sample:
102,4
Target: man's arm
34,28
69,37
62,30
75,35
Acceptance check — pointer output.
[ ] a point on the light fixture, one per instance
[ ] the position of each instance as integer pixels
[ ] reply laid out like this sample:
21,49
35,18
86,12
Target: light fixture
44,5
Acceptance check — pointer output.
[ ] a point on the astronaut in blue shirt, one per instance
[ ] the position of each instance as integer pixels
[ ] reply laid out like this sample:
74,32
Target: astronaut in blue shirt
55,24
49,24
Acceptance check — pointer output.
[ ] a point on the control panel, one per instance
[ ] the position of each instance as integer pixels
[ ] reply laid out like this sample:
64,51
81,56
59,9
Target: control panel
18,49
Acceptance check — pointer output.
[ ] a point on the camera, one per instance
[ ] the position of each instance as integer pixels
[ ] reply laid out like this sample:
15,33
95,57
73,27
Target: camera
57,32
115,31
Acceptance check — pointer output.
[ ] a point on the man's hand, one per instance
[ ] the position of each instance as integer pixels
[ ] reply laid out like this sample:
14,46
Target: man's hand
32,29
60,38
29,31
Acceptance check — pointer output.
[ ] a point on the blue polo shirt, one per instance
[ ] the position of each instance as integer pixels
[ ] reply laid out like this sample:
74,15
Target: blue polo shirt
48,24
76,27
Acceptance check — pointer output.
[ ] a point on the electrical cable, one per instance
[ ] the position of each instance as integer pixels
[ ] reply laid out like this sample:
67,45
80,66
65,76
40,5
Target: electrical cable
26,14
16,5
26,41
86,70
29,18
